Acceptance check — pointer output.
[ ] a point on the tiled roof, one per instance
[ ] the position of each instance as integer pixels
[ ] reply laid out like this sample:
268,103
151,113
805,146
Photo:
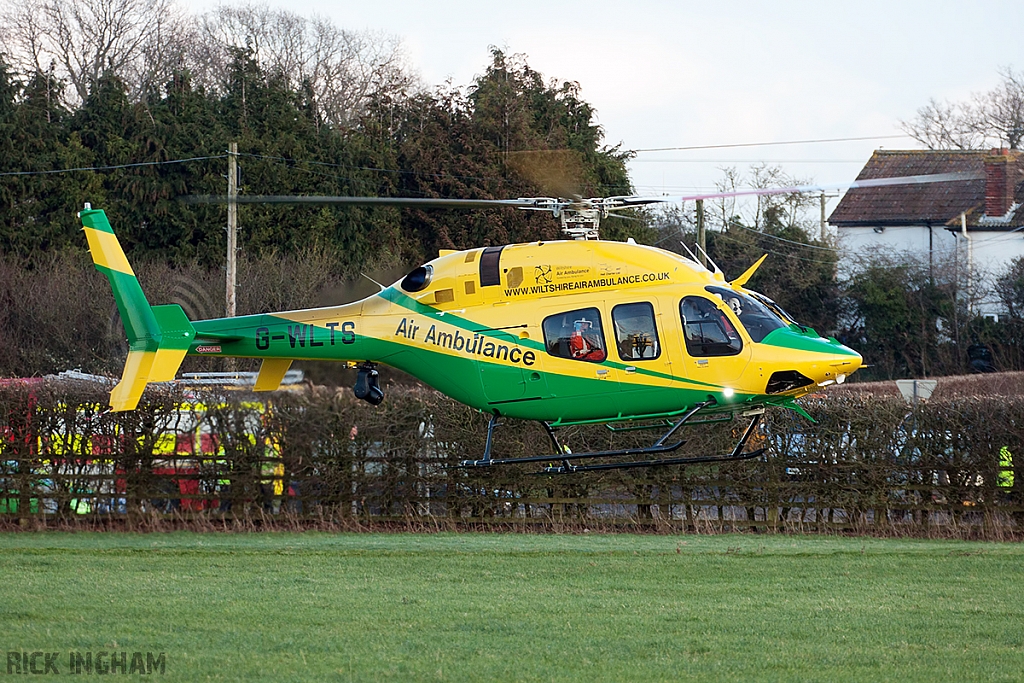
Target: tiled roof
977,220
926,204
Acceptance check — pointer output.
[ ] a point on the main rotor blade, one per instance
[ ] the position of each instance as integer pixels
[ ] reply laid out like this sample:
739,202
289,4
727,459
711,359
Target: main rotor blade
556,205
852,185
425,202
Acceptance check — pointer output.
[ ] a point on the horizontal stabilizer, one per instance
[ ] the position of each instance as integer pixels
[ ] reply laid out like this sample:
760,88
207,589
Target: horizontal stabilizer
159,364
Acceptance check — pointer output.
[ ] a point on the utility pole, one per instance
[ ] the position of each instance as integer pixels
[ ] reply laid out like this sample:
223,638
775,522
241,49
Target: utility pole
700,234
824,198
822,215
229,291
229,298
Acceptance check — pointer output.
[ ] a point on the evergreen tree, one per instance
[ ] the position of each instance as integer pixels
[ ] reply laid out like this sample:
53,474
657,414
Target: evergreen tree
897,306
39,205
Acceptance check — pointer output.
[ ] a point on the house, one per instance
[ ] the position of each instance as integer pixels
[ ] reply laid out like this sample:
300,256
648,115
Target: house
977,222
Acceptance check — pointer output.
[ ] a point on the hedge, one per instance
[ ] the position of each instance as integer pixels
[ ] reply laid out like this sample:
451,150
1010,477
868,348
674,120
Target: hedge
868,464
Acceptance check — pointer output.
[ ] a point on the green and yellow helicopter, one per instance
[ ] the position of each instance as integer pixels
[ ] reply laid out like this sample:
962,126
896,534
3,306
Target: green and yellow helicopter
565,332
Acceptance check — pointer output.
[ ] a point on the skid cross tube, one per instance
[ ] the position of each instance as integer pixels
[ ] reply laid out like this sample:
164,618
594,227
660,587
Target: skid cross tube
737,454
659,446
572,469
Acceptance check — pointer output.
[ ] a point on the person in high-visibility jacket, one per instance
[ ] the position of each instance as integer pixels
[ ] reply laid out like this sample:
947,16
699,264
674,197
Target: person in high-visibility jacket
1005,479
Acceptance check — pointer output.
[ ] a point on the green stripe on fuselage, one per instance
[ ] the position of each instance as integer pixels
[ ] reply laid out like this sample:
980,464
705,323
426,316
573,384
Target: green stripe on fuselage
798,341
396,297
550,396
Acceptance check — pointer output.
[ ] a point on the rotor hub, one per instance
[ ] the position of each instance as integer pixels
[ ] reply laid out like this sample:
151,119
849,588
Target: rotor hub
581,224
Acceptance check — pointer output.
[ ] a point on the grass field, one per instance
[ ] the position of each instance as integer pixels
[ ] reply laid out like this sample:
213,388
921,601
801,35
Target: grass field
486,607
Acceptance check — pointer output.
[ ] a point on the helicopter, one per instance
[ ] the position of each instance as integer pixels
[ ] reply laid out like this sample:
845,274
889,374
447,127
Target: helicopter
563,332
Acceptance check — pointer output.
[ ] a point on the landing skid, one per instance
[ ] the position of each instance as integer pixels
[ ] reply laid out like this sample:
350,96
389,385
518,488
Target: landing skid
659,447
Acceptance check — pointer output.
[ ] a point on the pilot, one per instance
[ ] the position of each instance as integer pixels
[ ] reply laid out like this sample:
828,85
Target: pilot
737,308
703,310
584,344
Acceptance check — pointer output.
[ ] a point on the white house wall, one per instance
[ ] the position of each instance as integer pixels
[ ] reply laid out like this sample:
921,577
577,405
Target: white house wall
858,246
992,251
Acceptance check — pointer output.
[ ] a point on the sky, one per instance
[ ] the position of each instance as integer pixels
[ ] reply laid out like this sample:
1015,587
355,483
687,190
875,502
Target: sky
685,74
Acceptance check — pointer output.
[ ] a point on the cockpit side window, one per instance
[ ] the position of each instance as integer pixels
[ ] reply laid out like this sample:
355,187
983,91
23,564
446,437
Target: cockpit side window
576,335
756,318
707,329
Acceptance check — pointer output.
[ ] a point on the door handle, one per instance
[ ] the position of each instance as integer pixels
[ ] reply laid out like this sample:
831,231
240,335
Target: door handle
630,369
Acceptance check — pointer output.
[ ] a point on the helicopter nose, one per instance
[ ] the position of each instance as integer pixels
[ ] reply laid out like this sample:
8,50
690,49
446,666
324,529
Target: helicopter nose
816,362
836,369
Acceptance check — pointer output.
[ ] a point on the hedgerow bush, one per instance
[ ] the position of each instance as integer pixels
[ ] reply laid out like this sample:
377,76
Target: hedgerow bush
868,463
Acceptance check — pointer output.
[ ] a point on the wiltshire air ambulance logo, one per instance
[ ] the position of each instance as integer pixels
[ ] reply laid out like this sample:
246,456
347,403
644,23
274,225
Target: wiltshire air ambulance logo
542,274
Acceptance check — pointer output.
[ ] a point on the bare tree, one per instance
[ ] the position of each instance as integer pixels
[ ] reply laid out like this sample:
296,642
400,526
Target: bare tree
85,38
342,68
946,125
144,42
789,209
1001,110
1010,288
994,117
723,210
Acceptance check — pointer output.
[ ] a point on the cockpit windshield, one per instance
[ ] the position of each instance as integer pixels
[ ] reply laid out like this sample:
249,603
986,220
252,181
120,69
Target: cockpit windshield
757,318
775,308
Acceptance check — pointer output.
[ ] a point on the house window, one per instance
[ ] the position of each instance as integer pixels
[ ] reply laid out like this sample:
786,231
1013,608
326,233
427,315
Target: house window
635,332
575,334
706,329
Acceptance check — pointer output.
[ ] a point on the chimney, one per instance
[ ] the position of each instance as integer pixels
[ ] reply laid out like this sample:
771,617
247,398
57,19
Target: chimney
1000,182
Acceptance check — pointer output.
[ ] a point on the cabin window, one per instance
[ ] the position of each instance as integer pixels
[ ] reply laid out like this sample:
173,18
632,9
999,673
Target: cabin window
575,334
706,329
756,318
635,333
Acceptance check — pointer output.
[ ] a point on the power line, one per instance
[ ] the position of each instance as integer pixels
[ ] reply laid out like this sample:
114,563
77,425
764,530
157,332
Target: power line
776,253
111,168
436,176
775,237
728,237
783,239
363,168
767,144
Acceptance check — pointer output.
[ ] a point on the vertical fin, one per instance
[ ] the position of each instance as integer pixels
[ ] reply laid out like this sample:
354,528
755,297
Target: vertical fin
158,336
748,273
